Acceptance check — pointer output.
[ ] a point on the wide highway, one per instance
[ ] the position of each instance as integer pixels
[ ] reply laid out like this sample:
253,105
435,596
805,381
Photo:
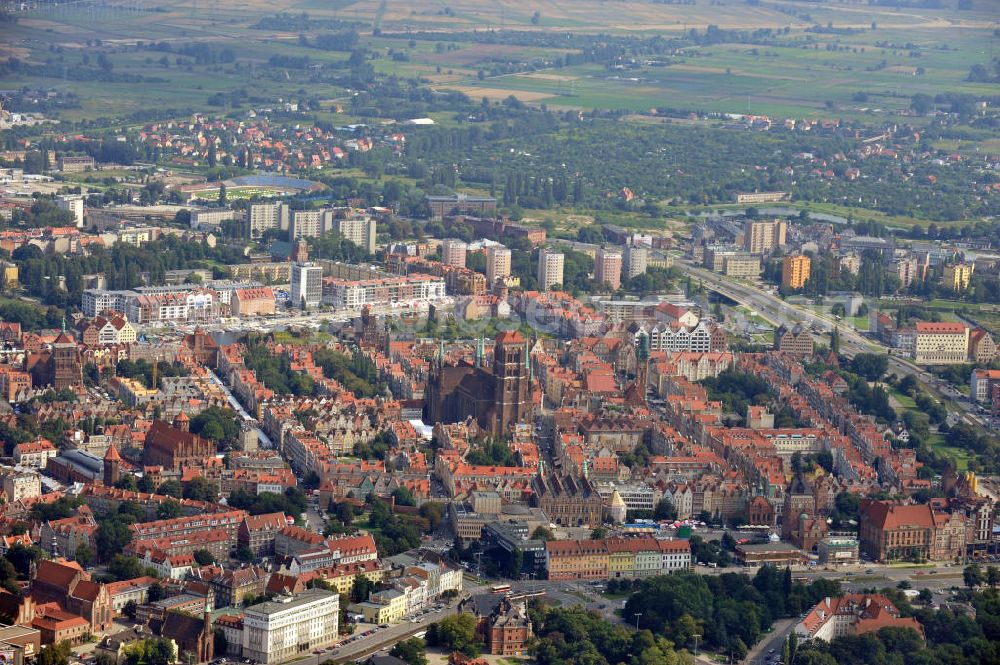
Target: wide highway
778,312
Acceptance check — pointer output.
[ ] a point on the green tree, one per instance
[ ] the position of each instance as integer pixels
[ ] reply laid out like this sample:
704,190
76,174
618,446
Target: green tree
739,649
204,557
433,512
154,651
128,483
872,366
665,510
456,633
171,488
169,510
155,593
344,512
124,567
361,588
55,654
972,575
200,489
84,555
403,496
23,558
542,533
992,576
412,651
130,512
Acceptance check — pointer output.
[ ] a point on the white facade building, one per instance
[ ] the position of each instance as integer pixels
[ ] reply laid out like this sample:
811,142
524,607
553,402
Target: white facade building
389,290
208,219
636,259
287,627
264,216
73,204
497,264
307,285
550,268
359,230
678,338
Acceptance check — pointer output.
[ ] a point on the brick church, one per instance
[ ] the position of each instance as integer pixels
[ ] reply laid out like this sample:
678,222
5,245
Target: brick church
174,446
497,395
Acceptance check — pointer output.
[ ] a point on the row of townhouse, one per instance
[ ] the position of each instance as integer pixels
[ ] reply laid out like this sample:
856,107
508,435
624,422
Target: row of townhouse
418,586
612,558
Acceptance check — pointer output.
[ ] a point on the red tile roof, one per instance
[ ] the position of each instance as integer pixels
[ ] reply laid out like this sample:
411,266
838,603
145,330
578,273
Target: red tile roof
941,328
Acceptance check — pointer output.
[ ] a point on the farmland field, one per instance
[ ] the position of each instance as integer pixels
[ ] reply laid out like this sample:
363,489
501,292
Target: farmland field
844,61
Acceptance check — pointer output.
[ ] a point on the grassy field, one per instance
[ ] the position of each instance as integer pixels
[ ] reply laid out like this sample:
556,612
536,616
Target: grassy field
903,401
959,456
859,322
806,74
845,212
985,314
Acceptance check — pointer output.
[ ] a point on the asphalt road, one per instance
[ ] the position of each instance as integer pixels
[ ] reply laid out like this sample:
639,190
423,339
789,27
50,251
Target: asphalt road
384,638
771,644
778,312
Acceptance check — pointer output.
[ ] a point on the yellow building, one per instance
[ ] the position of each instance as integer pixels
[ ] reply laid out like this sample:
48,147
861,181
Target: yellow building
577,559
957,277
795,271
9,275
621,558
615,558
133,392
342,577
384,607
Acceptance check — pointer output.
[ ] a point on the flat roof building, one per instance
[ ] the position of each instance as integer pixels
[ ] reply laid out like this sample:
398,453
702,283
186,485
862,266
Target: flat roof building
290,626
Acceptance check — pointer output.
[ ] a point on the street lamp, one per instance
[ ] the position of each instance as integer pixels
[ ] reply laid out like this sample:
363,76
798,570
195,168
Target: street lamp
637,615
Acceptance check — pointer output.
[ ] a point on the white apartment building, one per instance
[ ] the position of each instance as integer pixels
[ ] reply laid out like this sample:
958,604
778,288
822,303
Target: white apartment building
20,484
307,285
34,454
116,330
550,268
387,290
310,223
73,204
674,555
636,259
264,216
637,496
359,230
497,264
95,301
941,343
290,626
207,219
190,305
678,338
